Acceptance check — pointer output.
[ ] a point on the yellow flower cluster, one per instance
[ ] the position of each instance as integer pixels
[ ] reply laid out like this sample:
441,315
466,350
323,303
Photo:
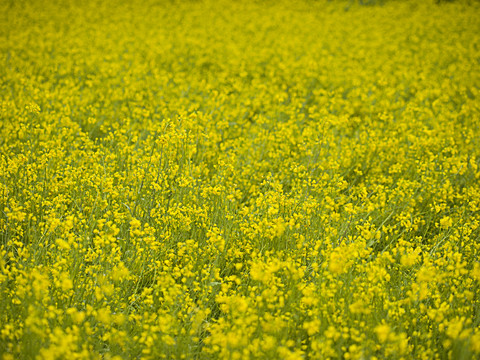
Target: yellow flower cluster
224,179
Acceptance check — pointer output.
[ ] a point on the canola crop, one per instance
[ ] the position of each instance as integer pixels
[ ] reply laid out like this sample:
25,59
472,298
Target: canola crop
239,179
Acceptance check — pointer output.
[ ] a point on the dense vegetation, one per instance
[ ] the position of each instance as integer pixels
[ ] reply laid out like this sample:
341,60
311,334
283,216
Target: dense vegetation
239,180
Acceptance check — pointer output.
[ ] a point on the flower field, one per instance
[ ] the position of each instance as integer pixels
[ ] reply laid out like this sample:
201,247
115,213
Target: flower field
239,179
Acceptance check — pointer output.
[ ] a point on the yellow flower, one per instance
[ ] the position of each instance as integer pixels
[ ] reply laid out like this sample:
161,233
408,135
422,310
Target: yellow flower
383,332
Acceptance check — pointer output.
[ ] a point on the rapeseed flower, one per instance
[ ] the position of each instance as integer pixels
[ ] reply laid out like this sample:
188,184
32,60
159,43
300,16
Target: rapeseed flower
236,180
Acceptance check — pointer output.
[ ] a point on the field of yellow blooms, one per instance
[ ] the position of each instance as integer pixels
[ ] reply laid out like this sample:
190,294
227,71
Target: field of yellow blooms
222,179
